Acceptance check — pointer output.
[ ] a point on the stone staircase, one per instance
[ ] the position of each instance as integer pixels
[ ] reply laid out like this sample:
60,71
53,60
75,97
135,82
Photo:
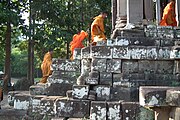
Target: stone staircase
103,81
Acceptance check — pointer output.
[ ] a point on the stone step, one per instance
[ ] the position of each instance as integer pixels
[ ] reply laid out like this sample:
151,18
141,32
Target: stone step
12,114
153,96
162,31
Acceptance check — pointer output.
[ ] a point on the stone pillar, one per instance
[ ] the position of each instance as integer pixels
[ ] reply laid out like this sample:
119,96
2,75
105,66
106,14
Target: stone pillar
134,11
121,14
122,8
148,9
158,14
118,8
178,11
114,13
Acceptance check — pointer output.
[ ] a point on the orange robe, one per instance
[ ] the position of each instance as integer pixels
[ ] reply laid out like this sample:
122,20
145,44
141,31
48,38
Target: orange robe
77,41
45,67
169,16
98,22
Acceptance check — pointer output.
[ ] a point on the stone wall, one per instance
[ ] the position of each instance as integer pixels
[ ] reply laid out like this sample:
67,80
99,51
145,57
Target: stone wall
103,81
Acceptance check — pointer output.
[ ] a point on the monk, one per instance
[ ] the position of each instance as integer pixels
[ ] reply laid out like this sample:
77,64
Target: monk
46,65
97,28
77,41
169,16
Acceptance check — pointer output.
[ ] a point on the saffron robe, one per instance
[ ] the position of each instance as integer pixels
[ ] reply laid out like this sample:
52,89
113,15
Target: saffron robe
98,23
46,67
169,16
77,41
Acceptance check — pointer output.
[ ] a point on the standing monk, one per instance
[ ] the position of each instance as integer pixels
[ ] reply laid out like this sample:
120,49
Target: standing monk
46,66
169,16
77,41
97,28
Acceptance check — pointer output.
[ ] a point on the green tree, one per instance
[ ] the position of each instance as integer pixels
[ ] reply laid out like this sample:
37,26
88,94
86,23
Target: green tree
10,15
58,20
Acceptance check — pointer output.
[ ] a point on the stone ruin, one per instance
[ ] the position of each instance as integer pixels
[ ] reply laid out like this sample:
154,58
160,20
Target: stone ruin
128,78
131,77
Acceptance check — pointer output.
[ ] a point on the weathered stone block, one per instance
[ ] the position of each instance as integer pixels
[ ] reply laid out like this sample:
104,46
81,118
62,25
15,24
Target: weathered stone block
165,32
151,31
106,78
98,65
63,77
121,93
38,89
122,83
92,95
72,66
145,114
94,74
121,52
101,52
144,41
92,81
59,80
132,32
102,91
98,110
35,103
137,83
173,97
118,77
80,91
165,77
164,67
114,111
122,41
130,110
61,87
167,42
85,66
47,105
58,64
136,76
130,66
77,54
164,53
69,94
175,52
154,95
11,95
72,108
111,42
58,118
93,78
101,43
22,101
12,114
114,65
85,52
138,52
147,66
152,53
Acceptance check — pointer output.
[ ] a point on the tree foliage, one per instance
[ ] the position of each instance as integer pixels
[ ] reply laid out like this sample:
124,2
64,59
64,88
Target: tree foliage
60,19
54,24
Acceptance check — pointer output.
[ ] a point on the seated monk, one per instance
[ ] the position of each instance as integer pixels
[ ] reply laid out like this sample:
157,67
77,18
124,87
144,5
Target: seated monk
46,66
77,41
169,16
97,28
